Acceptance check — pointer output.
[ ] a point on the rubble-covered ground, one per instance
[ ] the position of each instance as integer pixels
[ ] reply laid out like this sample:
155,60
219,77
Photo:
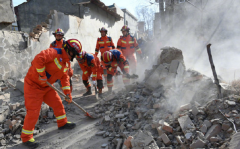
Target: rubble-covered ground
171,108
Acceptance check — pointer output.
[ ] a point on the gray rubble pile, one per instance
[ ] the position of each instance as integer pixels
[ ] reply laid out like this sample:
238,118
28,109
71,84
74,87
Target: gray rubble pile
13,112
172,108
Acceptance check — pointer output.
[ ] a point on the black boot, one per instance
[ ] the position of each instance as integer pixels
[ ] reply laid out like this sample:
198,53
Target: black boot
68,125
31,143
100,93
89,92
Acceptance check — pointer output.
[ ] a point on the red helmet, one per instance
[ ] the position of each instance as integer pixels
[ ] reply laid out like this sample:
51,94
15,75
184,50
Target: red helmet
59,31
74,46
125,28
81,57
103,29
107,57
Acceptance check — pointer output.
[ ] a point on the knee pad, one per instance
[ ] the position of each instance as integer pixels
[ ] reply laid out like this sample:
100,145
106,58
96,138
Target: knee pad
109,77
99,84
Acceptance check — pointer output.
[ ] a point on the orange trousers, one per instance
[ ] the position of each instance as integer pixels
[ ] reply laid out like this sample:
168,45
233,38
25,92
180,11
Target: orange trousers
104,70
34,96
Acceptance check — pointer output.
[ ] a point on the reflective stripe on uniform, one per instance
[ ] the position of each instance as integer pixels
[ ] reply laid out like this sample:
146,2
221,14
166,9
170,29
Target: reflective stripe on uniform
94,75
108,41
41,69
101,42
131,41
115,65
138,49
126,66
28,132
66,88
57,63
110,84
85,72
65,69
79,44
110,69
61,117
123,41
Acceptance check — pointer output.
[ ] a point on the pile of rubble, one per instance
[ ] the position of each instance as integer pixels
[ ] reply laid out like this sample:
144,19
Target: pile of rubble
172,108
13,112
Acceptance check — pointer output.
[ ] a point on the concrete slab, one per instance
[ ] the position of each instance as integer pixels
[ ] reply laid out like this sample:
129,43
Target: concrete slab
235,142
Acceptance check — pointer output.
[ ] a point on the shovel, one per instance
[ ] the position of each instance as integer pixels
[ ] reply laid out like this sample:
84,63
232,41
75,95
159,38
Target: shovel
86,113
230,120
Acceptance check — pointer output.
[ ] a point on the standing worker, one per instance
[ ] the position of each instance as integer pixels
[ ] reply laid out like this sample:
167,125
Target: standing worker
49,65
59,43
128,44
112,59
104,43
90,64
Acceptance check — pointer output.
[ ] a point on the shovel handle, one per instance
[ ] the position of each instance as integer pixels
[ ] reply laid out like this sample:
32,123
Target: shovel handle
61,93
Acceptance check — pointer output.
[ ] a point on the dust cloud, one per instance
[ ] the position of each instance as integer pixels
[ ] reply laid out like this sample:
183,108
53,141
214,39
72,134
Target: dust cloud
191,26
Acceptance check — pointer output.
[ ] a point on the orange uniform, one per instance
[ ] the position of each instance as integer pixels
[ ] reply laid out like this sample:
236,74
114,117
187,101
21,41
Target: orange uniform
91,66
118,60
128,45
59,44
104,44
50,63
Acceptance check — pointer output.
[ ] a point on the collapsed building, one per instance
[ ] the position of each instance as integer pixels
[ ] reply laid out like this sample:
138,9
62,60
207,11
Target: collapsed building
172,108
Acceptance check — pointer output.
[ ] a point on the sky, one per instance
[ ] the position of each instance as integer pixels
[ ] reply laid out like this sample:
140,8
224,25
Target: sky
130,5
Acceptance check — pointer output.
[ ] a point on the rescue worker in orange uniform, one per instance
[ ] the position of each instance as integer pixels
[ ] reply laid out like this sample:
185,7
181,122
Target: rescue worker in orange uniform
49,65
59,43
128,44
90,64
113,59
104,43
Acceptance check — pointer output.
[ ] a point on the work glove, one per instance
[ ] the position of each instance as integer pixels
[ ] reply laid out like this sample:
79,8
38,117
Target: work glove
42,79
69,100
94,83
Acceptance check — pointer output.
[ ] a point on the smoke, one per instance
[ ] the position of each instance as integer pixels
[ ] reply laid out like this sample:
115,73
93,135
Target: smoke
190,26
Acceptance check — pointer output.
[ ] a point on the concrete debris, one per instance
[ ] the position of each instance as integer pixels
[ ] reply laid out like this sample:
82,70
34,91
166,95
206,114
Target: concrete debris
197,144
235,142
150,114
213,130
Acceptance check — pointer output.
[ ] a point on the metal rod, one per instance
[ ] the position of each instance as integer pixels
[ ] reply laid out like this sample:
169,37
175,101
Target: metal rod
214,71
61,93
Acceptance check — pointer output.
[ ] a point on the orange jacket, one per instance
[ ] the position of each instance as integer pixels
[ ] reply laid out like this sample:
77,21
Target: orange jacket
118,58
59,44
51,63
128,45
92,62
104,44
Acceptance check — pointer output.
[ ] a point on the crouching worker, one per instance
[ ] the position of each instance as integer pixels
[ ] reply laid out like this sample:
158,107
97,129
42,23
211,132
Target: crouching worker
90,64
48,66
114,59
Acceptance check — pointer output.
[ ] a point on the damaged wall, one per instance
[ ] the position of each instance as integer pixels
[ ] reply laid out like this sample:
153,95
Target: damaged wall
30,14
15,57
7,17
16,52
